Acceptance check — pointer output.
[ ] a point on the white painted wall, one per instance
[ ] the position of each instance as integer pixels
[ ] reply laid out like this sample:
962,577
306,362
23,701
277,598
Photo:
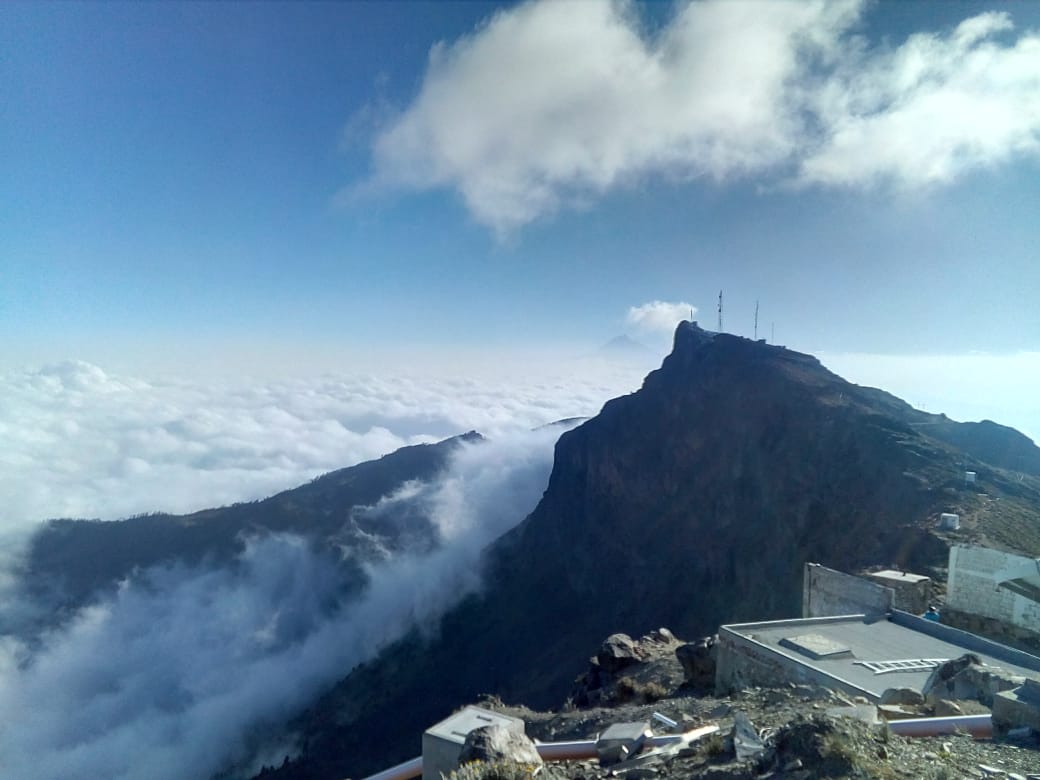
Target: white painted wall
972,586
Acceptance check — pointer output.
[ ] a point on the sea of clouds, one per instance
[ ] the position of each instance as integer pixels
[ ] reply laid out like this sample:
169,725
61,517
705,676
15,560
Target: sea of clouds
186,670
82,442
177,673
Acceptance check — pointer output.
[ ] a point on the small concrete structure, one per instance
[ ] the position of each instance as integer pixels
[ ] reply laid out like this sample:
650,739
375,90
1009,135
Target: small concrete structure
898,651
621,741
826,592
442,743
913,591
969,477
948,521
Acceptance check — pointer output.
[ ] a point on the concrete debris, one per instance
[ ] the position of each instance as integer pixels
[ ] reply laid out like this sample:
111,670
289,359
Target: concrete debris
1017,708
641,761
621,741
968,678
746,742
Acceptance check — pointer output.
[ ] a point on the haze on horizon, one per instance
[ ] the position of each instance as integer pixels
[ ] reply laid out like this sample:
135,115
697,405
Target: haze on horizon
211,209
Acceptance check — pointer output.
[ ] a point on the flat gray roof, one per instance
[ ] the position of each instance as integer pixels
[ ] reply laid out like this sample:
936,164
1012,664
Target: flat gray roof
898,576
898,637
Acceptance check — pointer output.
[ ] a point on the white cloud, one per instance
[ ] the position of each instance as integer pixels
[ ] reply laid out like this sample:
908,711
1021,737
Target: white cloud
930,109
553,103
81,443
168,678
659,316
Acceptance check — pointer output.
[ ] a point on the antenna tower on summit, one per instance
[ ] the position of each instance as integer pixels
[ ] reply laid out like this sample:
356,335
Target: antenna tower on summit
756,320
720,311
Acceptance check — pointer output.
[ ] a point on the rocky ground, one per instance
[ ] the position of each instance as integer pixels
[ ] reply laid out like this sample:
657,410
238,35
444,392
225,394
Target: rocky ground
807,731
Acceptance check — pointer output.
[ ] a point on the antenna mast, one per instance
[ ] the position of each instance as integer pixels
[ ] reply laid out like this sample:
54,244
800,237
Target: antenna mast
756,320
720,311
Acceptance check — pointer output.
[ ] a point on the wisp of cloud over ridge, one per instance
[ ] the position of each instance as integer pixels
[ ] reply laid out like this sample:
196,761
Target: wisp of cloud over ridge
168,678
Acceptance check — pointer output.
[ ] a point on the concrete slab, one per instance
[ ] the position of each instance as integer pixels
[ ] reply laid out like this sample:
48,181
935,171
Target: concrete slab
892,575
815,646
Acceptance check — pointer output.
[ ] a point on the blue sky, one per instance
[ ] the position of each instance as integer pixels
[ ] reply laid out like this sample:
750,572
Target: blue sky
184,181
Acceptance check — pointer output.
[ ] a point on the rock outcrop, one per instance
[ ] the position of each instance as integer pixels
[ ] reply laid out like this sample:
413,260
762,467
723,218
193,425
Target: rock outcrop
698,662
494,743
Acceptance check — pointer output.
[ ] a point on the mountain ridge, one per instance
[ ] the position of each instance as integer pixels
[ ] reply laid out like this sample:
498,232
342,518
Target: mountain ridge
69,562
694,501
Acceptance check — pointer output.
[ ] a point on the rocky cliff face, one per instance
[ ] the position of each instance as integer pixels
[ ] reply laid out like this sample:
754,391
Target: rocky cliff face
692,502
698,499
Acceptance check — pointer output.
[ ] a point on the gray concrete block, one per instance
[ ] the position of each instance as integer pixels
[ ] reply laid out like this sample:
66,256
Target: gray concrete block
442,743
1012,710
621,741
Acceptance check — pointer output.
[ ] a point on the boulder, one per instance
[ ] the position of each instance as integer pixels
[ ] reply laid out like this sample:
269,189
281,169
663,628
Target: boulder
617,652
495,743
698,662
896,712
968,678
910,696
661,636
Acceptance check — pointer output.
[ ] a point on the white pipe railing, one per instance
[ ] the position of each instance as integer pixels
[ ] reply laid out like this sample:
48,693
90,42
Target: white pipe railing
551,751
405,771
979,726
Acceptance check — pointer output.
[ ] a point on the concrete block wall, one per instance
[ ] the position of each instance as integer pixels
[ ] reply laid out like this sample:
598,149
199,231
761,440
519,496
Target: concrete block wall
743,663
826,592
997,630
972,587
